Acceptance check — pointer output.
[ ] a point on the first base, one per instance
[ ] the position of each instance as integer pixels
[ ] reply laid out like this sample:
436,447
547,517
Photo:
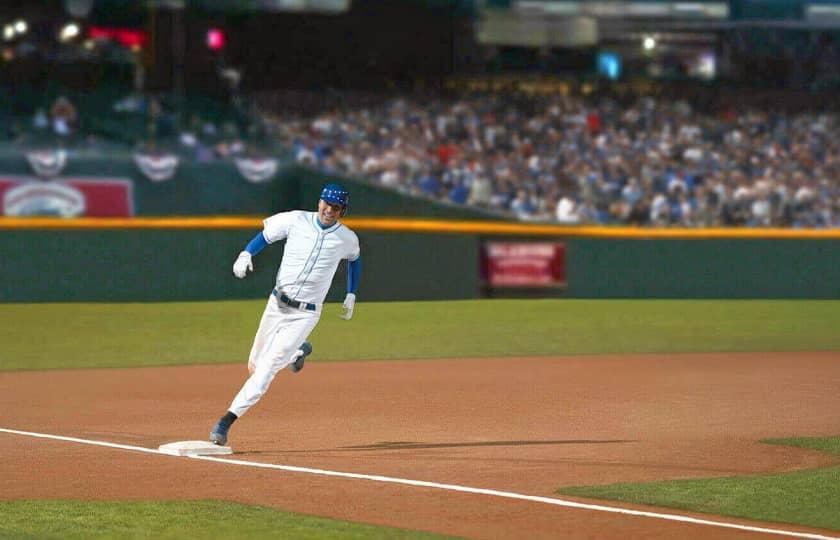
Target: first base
194,448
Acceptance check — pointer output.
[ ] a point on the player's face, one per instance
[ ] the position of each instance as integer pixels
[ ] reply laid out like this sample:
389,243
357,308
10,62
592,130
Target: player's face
328,213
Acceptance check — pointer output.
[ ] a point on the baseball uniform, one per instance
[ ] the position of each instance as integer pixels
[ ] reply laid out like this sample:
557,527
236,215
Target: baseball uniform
312,254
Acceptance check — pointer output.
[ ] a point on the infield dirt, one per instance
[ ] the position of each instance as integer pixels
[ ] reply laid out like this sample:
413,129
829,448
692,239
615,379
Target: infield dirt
524,425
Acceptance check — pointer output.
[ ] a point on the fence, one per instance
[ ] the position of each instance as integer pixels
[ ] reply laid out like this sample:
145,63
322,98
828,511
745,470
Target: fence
46,259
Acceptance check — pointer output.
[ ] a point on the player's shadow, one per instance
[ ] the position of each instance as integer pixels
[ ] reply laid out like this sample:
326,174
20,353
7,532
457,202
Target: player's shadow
407,445
404,445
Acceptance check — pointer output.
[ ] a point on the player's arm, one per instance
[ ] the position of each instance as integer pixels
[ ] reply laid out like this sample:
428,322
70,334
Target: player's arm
354,272
275,228
242,265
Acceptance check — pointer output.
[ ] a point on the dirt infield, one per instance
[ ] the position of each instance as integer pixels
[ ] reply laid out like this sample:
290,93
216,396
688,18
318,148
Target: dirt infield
523,425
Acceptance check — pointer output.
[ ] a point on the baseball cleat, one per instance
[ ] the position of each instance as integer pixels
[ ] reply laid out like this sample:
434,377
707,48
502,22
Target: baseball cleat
305,350
219,434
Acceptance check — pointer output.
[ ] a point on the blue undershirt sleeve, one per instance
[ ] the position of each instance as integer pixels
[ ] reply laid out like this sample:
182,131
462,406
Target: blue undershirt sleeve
354,271
256,244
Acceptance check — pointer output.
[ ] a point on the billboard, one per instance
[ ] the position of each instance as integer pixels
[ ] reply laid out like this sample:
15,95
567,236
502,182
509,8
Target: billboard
22,196
520,264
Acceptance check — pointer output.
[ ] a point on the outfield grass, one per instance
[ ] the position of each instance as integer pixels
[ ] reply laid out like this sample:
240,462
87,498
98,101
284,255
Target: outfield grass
83,520
826,444
810,498
40,336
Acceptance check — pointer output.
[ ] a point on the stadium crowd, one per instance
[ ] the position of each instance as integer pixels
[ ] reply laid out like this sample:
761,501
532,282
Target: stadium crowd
734,159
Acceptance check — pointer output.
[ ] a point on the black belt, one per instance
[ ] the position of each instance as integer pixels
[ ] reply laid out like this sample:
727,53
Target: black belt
297,304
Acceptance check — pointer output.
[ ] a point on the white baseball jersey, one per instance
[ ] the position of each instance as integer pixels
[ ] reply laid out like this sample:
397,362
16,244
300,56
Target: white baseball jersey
312,254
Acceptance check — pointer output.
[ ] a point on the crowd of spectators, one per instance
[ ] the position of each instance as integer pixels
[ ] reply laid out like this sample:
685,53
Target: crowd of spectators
62,119
708,158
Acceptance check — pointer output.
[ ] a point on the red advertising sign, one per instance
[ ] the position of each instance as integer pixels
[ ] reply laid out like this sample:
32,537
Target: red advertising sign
525,264
66,197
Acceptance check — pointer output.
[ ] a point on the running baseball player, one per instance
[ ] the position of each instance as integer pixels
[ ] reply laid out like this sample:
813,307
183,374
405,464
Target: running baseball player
316,242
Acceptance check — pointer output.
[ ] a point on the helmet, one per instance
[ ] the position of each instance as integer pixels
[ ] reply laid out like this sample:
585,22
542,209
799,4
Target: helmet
336,194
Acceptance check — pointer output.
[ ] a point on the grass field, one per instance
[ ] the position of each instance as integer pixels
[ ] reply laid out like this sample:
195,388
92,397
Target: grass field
41,336
177,520
50,336
810,497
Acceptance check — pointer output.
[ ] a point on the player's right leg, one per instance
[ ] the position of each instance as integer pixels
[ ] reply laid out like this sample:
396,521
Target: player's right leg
269,324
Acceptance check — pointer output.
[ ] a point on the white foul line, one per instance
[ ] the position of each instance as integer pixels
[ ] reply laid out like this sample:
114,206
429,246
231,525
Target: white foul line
447,487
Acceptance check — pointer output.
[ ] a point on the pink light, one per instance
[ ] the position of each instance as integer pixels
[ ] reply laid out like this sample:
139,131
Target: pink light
215,39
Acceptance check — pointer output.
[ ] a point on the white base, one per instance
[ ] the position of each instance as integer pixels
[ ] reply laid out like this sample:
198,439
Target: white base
194,448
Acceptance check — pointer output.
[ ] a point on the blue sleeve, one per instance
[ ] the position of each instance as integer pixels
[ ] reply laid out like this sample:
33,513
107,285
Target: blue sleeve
354,271
256,244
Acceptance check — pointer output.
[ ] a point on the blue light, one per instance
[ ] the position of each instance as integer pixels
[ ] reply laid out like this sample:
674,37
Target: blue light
609,65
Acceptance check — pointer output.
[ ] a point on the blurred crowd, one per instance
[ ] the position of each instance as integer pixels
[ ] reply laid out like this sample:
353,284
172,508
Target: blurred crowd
733,159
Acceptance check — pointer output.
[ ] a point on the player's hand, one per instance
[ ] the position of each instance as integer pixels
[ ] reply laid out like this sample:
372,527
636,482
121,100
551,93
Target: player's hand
242,265
348,305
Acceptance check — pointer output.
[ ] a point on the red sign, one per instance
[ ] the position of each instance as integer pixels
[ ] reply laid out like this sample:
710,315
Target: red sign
525,264
127,37
67,197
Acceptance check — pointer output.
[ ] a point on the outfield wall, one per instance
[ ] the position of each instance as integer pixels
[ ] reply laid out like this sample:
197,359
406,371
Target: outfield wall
160,260
163,264
704,268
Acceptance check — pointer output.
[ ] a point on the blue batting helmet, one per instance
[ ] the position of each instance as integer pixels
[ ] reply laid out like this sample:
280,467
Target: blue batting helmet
335,194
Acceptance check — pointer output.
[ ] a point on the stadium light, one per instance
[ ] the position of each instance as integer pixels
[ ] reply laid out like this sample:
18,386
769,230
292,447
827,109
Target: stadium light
215,39
69,31
21,27
649,43
8,32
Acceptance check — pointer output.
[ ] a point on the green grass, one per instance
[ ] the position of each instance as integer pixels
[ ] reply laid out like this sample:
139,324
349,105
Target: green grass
826,444
38,336
810,497
82,520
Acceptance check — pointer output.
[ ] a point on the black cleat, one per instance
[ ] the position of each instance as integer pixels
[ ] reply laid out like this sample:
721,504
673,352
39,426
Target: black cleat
219,434
306,350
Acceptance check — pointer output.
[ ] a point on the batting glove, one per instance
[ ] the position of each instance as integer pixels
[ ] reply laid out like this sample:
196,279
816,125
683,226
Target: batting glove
242,265
348,305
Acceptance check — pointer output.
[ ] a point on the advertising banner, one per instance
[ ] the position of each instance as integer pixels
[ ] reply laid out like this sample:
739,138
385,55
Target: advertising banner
524,264
66,197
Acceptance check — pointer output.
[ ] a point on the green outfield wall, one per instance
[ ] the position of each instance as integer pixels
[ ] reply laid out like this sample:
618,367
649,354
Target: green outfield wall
703,268
162,265
39,265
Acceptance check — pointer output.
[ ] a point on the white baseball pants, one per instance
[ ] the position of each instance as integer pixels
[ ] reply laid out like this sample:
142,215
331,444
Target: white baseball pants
281,332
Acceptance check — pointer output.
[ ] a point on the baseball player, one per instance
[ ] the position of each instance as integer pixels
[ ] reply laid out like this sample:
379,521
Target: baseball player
315,244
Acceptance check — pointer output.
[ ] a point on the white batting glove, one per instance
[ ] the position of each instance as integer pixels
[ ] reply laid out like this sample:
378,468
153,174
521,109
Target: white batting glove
348,305
242,265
